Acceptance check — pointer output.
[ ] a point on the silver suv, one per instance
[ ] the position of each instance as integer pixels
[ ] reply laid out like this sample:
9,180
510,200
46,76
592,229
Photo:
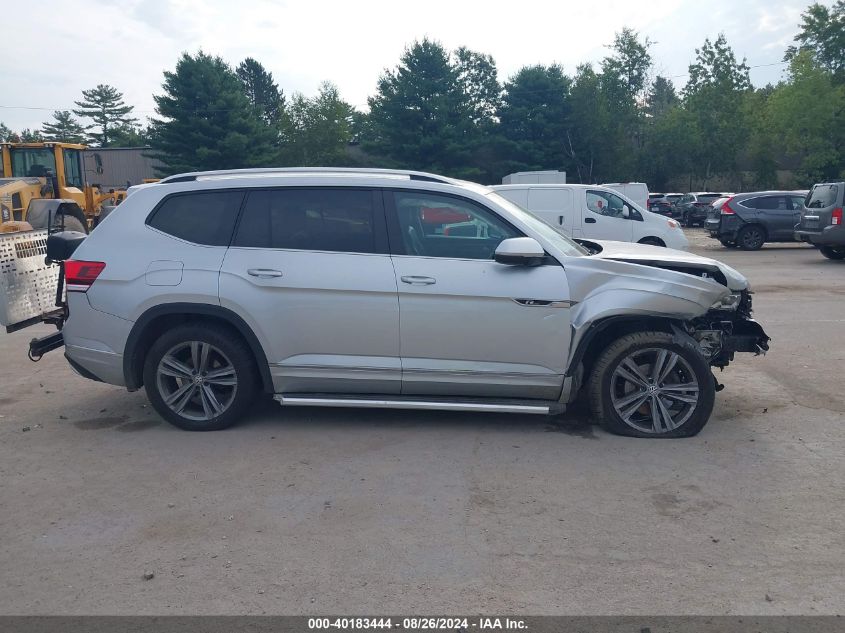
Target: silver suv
380,288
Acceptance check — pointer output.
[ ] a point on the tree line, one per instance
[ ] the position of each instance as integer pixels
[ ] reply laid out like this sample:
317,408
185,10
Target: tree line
447,112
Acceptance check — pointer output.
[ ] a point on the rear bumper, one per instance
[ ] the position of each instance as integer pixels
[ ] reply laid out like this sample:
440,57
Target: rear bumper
94,341
828,236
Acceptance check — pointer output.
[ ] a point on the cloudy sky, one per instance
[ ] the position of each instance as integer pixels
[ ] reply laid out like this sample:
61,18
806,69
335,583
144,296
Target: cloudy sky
59,47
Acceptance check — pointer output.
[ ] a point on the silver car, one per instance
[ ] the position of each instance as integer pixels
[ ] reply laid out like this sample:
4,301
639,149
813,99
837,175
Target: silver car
380,288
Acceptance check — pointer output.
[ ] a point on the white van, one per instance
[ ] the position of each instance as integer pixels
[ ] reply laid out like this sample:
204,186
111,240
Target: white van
595,212
636,191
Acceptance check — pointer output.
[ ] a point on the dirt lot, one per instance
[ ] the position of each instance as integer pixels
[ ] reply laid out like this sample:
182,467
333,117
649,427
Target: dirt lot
342,511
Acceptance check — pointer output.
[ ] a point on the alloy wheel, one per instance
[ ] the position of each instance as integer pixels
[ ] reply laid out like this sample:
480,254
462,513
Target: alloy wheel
654,390
196,380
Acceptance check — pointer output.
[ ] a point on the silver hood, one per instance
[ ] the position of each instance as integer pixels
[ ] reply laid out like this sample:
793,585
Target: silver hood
661,257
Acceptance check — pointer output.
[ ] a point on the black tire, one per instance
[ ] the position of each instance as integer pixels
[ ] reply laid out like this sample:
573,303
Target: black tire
833,252
225,350
691,368
751,238
652,241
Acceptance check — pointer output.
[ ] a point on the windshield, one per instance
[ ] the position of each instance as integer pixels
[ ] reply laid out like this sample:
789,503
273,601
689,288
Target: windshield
822,196
551,233
32,162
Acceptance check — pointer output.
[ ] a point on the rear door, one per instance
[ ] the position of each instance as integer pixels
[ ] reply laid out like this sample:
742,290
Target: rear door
309,271
555,205
471,326
604,217
775,214
821,201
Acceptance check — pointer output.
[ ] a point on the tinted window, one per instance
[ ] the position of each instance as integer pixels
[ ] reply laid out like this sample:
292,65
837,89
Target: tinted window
605,203
202,218
432,225
768,202
709,197
797,202
822,196
338,220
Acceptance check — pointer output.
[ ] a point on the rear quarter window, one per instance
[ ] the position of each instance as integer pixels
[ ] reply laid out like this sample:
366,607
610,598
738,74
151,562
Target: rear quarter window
206,217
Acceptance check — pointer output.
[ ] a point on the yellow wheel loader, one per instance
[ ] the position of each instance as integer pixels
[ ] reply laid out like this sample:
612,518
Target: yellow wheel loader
44,187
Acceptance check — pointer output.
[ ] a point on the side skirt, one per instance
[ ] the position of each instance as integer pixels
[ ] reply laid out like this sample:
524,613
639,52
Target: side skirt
538,407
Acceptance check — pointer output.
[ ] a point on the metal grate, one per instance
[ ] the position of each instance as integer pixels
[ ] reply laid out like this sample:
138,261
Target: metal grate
27,284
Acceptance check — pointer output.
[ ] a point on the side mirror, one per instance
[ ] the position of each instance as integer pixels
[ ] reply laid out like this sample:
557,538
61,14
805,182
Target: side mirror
626,212
520,251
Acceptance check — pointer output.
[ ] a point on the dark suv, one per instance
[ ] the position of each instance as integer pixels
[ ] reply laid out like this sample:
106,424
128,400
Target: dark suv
749,220
821,219
692,208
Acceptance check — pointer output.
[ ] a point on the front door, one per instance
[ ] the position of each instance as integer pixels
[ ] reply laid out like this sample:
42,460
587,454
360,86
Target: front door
607,217
309,271
469,325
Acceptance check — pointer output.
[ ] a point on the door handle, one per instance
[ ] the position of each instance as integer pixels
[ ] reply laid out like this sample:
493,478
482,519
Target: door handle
416,280
590,220
264,272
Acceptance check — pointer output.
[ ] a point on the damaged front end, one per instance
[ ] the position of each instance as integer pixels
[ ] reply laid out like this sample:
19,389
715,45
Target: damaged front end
728,328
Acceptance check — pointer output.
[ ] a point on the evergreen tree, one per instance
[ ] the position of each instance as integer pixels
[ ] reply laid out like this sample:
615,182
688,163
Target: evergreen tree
63,129
534,118
420,117
6,133
261,90
206,120
105,107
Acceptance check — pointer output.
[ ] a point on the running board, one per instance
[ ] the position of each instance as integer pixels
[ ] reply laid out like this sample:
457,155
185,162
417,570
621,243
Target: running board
502,406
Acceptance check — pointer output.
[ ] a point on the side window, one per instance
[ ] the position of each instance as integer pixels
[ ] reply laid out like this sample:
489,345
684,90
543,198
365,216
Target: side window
339,220
433,225
73,175
605,203
770,203
797,203
202,217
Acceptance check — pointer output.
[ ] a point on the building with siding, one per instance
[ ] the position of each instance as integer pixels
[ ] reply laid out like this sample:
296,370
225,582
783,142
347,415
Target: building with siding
118,167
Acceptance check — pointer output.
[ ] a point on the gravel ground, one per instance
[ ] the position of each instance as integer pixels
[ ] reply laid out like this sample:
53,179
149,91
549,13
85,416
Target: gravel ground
301,511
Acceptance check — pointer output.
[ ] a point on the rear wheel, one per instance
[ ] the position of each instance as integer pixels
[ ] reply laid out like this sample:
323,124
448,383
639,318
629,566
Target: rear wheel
200,377
751,238
649,384
833,252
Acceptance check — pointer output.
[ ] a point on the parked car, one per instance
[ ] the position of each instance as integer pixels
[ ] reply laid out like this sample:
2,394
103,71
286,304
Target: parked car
663,203
821,220
595,212
691,209
749,220
324,287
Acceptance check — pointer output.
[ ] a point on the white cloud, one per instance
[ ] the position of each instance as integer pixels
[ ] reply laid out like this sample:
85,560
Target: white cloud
76,44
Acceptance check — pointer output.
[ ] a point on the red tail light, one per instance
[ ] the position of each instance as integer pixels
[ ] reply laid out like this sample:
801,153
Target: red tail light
836,216
726,208
80,275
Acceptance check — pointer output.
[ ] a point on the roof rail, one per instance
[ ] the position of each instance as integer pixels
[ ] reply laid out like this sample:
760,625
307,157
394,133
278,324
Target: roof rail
270,171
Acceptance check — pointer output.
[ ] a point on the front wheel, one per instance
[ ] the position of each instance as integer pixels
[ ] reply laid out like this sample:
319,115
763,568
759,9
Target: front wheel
833,252
200,377
649,384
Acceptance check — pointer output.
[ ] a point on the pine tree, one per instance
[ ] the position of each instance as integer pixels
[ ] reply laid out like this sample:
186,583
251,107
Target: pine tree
63,129
261,90
206,120
104,106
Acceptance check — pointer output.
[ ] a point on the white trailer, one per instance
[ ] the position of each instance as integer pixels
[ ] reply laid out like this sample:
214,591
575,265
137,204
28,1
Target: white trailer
549,177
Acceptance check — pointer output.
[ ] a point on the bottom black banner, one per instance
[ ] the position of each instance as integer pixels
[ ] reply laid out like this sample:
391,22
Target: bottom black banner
535,624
